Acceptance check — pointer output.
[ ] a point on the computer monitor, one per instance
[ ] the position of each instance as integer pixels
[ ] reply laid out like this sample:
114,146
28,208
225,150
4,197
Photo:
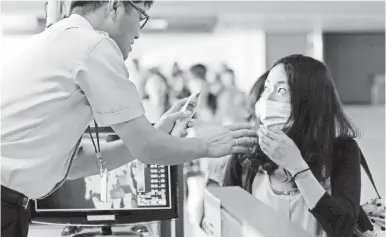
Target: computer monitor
136,193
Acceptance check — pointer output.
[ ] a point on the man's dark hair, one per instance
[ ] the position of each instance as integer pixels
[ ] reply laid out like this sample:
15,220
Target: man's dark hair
84,7
199,70
317,115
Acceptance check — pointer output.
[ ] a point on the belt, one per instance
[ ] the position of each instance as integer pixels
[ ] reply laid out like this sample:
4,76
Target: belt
14,197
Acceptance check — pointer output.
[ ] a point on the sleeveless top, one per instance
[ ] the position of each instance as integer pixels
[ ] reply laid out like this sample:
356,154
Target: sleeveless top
293,207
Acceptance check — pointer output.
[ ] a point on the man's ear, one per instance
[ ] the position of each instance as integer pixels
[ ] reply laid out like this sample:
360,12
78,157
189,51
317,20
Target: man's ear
111,9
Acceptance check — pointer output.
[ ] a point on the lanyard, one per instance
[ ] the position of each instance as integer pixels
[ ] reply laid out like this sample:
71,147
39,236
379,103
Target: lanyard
102,164
97,149
102,168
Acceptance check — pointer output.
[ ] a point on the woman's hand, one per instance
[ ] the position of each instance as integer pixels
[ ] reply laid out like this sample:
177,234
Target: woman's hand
281,149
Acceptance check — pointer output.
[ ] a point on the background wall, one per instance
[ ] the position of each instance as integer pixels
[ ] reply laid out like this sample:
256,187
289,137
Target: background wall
354,58
242,50
279,45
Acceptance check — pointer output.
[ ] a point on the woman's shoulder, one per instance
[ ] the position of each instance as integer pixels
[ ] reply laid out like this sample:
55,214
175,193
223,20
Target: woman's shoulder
345,142
347,154
346,146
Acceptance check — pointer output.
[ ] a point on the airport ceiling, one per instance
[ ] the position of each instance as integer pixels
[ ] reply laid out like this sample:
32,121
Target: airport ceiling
208,16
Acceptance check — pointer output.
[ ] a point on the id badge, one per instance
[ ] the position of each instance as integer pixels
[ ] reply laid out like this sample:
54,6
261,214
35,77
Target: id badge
104,181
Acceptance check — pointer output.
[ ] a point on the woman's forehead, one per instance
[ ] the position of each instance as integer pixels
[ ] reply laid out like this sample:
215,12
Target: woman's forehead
277,75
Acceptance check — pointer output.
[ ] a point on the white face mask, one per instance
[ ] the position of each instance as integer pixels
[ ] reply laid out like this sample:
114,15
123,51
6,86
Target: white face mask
273,113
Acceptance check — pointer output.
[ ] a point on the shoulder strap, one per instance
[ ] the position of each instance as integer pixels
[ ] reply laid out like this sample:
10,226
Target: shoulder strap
363,164
367,170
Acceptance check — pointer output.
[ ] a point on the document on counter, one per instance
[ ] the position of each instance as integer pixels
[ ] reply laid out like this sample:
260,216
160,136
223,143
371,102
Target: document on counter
212,212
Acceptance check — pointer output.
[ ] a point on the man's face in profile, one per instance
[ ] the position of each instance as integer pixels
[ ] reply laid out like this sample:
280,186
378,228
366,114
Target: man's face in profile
126,26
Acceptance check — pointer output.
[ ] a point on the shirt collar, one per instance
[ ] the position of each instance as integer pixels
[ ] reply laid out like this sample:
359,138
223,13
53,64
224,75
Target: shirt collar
80,21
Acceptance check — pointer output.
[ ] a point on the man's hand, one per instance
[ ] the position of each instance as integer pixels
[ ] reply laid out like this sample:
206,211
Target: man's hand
226,140
180,129
169,122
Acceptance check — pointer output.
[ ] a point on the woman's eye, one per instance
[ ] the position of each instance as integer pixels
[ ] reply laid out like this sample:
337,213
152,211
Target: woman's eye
282,91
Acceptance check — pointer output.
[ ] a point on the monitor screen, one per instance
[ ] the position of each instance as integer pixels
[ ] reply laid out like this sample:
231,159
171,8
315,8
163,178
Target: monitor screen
136,192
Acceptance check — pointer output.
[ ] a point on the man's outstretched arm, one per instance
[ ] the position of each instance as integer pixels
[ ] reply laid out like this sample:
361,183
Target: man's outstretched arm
115,153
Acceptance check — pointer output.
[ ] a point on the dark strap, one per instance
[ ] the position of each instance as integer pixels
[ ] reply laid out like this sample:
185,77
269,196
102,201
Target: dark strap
367,170
363,163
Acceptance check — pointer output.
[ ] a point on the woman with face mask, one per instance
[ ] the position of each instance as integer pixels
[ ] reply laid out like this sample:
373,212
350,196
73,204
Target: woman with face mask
306,165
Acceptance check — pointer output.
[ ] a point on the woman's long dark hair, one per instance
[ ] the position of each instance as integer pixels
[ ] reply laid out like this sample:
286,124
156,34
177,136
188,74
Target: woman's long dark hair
317,115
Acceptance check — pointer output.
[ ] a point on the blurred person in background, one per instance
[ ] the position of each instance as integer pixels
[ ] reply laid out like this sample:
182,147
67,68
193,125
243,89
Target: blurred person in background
137,75
216,87
231,101
178,83
176,70
156,99
197,82
224,67
231,108
307,163
196,170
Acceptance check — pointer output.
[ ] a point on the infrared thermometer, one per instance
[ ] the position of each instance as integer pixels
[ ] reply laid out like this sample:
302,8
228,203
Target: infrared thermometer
191,105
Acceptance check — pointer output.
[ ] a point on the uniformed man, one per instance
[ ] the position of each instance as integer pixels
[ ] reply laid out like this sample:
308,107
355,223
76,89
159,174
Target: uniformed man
69,74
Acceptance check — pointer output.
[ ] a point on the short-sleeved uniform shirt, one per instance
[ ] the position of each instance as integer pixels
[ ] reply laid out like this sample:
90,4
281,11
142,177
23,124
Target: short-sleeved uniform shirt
65,77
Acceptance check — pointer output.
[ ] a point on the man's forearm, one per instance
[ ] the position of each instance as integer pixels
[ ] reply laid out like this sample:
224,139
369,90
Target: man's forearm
165,151
151,146
115,154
